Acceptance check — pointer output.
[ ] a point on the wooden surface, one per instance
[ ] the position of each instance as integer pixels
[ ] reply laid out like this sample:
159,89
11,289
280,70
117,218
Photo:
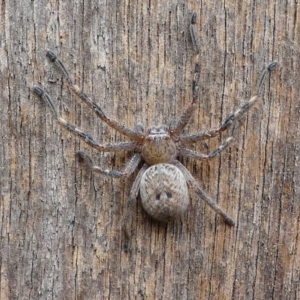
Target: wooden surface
60,224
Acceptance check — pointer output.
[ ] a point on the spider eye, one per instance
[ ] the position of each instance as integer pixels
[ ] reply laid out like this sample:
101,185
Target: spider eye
169,195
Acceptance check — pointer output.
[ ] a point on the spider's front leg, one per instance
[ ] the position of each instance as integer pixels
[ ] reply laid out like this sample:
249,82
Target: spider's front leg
177,127
185,140
136,136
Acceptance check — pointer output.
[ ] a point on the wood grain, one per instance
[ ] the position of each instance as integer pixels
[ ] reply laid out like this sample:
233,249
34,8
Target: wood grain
60,225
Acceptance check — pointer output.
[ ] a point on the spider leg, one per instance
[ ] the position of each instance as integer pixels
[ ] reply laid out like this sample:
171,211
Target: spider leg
130,167
194,37
176,129
197,155
194,185
118,127
74,130
132,197
232,118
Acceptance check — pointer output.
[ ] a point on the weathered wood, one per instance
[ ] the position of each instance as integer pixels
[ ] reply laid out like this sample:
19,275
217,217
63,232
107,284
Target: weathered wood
60,225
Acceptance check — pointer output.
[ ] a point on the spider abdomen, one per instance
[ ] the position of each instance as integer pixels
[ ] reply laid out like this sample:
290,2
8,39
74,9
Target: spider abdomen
164,192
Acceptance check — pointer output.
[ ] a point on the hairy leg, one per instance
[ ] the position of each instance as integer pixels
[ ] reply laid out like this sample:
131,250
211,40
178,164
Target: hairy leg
177,127
232,118
194,185
130,167
197,155
194,37
115,125
132,198
85,137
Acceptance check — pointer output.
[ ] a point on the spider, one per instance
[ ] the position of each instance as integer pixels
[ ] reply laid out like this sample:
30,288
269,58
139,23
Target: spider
162,180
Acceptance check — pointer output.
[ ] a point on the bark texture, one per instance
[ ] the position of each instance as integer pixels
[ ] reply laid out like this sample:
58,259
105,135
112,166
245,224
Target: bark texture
60,224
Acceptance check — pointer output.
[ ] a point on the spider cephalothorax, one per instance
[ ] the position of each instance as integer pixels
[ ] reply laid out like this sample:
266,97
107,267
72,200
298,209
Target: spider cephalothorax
162,180
158,146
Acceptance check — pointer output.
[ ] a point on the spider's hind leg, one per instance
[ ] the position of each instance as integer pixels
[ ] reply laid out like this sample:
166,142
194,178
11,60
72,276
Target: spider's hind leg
194,185
130,167
132,198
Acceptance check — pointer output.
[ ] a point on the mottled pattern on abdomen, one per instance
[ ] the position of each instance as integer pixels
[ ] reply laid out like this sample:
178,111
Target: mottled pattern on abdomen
164,192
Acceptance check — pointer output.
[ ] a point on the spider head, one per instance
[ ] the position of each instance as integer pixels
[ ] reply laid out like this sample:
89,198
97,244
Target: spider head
158,133
158,146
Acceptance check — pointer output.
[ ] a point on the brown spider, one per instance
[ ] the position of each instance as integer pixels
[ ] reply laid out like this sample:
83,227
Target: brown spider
162,180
